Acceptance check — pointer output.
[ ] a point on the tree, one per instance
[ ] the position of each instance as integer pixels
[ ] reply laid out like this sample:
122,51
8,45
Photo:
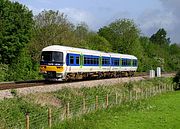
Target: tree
160,37
97,42
81,35
15,29
51,27
122,34
23,68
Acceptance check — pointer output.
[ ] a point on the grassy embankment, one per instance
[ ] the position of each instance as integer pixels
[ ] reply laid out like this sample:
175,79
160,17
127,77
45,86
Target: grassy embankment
12,111
160,112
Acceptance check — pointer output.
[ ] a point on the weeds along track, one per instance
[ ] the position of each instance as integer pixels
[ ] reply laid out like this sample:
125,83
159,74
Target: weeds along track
36,83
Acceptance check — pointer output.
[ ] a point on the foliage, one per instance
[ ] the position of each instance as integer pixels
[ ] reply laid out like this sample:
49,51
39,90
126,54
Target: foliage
23,68
176,79
122,34
96,42
51,27
3,72
14,111
160,37
16,26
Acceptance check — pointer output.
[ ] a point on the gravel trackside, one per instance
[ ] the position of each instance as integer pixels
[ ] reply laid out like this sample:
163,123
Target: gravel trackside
56,87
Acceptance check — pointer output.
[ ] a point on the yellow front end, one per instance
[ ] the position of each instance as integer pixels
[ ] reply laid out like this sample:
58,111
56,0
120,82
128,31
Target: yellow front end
46,68
52,72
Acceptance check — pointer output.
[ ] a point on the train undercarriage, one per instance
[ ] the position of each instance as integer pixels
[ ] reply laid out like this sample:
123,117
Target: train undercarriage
53,76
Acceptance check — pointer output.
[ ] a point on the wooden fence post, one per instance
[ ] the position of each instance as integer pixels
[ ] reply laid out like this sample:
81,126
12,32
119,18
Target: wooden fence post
27,120
84,105
96,105
107,101
49,117
67,110
158,89
166,88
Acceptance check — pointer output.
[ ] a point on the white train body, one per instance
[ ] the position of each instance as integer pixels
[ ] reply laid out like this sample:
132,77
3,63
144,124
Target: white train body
62,63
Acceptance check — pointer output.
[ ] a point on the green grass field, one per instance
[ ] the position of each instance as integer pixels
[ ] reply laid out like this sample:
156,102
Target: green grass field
160,112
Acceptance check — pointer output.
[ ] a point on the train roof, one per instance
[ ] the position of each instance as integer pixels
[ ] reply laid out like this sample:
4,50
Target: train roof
81,50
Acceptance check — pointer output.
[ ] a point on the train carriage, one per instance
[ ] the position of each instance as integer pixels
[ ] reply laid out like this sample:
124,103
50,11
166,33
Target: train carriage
64,63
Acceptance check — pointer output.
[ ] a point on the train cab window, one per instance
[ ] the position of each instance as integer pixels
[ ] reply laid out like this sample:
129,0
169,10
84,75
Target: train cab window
71,59
52,56
77,59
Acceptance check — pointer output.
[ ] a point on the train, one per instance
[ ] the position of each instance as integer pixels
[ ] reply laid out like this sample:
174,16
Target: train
62,63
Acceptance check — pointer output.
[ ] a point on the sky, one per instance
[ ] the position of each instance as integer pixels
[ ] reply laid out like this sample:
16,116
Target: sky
149,15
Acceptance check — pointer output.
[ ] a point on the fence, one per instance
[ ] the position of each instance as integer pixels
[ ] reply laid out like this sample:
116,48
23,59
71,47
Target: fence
86,105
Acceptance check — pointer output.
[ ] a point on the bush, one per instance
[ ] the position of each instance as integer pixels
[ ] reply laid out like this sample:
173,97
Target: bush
176,80
23,68
3,72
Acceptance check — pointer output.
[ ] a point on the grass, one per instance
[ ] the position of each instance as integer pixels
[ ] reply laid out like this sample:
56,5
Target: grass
13,110
160,112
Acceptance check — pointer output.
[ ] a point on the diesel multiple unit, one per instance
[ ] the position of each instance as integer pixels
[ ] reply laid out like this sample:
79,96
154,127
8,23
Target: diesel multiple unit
69,63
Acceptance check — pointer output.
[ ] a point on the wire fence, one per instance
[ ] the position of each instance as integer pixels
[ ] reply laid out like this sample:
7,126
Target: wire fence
51,116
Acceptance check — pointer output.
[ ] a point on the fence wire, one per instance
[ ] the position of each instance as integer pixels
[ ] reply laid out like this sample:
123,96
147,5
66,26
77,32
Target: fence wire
77,108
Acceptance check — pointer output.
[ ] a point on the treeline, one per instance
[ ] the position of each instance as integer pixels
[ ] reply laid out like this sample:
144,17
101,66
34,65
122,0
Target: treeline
22,37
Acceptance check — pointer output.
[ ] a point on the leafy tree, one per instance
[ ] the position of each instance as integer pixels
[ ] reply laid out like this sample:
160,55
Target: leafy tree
160,37
174,57
122,34
16,24
97,42
81,35
23,68
51,27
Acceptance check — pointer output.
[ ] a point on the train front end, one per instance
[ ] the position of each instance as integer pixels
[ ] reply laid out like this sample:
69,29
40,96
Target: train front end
52,64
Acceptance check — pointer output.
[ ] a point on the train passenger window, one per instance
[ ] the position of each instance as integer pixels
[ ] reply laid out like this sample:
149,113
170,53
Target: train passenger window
134,62
115,62
77,59
105,61
91,60
71,59
128,62
124,62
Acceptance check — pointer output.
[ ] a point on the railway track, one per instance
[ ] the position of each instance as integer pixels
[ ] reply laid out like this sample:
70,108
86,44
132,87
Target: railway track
33,83
20,84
